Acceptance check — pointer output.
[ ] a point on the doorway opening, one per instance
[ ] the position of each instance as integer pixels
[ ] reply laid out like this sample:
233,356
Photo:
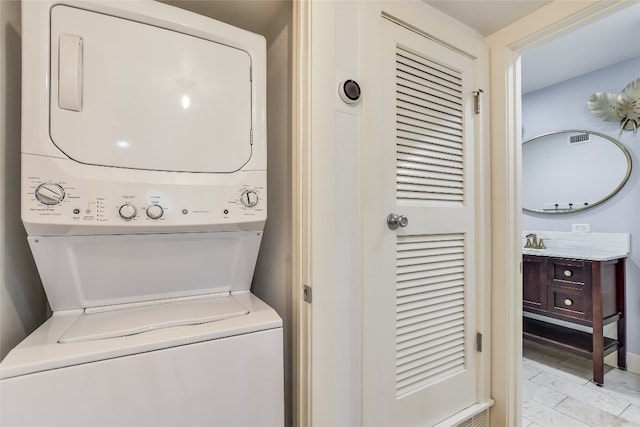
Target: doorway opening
557,78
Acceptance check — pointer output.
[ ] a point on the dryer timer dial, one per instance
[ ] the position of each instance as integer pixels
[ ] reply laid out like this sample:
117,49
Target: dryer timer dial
49,193
249,198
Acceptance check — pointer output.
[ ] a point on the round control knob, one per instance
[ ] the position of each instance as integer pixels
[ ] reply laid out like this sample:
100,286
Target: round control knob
127,211
249,198
568,273
49,193
155,211
568,301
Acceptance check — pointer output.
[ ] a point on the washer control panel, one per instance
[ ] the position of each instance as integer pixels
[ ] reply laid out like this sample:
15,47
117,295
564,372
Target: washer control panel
54,198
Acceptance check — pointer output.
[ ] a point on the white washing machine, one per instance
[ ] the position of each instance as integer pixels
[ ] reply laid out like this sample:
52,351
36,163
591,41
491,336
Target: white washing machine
144,201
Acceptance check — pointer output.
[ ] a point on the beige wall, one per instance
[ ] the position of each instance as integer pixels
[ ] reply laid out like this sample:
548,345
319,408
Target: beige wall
272,278
23,305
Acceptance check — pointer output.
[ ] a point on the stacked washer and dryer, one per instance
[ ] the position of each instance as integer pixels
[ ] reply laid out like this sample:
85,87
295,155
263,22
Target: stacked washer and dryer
144,201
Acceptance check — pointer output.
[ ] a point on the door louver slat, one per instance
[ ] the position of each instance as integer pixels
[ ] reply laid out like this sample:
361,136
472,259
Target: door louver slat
430,309
410,300
429,131
432,71
427,181
429,101
431,90
417,286
418,110
407,138
427,273
435,371
406,167
436,322
416,146
437,257
429,175
418,127
428,158
419,345
427,324
414,112
417,341
435,267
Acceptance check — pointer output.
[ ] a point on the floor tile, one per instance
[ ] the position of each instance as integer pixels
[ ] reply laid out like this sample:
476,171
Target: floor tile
542,353
616,404
541,394
544,416
629,380
529,370
591,415
632,413
580,366
560,373
617,391
588,395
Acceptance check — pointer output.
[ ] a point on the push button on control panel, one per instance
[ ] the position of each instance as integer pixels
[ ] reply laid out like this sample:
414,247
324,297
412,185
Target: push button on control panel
127,211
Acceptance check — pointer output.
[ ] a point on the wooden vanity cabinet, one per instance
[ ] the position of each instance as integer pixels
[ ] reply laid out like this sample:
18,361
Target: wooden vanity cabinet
534,294
582,292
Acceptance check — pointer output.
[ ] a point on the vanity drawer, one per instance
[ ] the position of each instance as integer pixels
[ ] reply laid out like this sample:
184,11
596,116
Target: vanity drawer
570,302
568,271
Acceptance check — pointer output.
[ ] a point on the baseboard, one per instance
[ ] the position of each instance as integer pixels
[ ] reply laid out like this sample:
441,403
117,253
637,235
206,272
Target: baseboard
633,361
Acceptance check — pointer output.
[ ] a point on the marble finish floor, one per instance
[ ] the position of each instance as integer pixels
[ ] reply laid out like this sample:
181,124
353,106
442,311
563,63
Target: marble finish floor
557,391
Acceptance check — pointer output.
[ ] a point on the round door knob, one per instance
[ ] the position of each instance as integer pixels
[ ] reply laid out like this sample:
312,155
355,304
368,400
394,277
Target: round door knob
568,301
394,221
155,211
568,273
49,193
127,211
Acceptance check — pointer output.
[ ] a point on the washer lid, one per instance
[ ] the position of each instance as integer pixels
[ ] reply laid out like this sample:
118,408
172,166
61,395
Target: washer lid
134,95
113,322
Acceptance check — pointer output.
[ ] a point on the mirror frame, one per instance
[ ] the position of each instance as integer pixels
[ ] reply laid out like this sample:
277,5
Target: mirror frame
604,199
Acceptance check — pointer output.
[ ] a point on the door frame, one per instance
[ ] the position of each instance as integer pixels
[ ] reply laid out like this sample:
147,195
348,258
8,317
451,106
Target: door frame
541,25
317,376
312,247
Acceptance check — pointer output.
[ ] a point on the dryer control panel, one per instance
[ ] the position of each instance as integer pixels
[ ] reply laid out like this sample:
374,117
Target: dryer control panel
151,202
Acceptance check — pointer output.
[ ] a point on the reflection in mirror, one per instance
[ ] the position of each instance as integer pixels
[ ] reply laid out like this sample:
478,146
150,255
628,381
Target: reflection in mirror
572,170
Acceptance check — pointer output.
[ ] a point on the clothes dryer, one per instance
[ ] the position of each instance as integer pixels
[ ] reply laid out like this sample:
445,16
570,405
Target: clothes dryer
144,201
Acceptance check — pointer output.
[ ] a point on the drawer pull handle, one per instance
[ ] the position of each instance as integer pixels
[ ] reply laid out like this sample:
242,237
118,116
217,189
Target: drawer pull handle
568,301
568,273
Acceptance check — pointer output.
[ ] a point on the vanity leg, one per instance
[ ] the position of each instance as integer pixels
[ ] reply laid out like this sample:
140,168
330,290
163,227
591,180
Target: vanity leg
622,319
598,359
598,336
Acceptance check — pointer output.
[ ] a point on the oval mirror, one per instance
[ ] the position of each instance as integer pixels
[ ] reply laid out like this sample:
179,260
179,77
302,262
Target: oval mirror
571,170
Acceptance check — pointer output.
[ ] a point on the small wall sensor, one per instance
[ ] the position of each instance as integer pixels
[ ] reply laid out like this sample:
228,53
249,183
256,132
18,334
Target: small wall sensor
350,91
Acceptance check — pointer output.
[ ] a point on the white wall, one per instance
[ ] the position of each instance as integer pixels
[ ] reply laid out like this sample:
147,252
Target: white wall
564,106
22,301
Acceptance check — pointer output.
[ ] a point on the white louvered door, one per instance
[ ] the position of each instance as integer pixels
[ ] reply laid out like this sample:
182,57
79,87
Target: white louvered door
419,356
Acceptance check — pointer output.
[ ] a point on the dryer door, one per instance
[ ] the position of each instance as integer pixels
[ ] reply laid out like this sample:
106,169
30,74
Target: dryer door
133,95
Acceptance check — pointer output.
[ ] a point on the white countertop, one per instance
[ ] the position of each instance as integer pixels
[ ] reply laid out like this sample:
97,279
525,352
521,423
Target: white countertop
586,254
